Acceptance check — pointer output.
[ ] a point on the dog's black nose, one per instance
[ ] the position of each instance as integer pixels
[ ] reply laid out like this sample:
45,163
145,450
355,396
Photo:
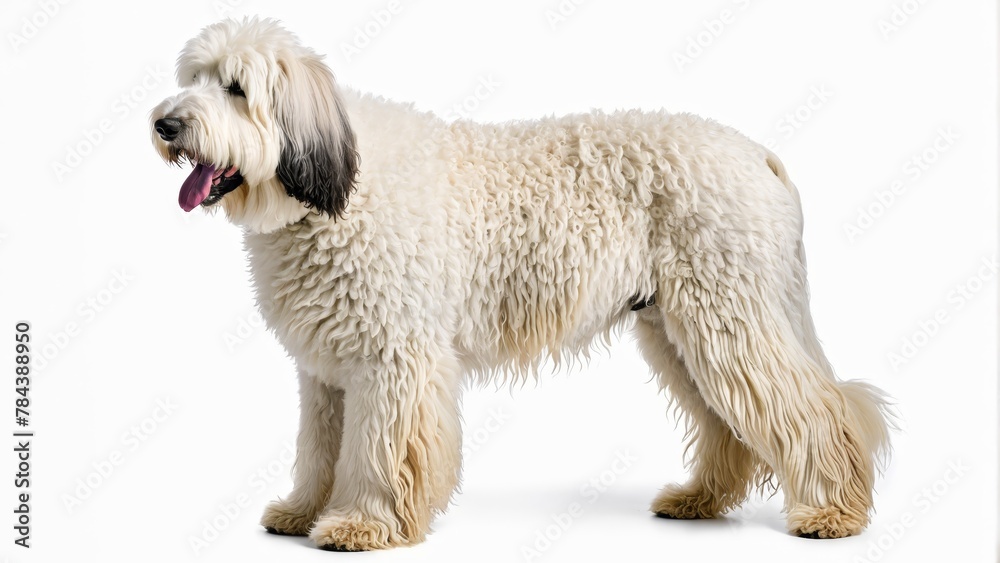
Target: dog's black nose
168,128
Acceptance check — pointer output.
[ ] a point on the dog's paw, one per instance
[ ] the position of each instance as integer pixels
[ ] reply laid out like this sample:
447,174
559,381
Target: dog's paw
282,519
823,523
333,532
684,503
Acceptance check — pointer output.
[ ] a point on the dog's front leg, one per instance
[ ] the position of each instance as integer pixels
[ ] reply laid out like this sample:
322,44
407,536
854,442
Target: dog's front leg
400,455
320,426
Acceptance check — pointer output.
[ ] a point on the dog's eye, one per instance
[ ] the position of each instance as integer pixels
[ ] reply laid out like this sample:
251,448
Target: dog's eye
234,89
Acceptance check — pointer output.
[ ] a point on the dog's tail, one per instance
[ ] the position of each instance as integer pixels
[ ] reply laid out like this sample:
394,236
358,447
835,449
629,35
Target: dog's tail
874,417
873,413
774,163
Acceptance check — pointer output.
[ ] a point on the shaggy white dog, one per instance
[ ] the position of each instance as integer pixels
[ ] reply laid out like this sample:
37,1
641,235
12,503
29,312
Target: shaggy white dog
393,253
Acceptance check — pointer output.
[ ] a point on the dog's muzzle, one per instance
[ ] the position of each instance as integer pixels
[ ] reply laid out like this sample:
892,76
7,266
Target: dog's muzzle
208,181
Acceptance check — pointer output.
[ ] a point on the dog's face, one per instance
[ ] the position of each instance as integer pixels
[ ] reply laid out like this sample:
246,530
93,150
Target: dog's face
262,124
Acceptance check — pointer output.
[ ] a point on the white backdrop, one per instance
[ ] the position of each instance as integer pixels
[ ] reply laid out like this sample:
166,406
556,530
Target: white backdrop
163,411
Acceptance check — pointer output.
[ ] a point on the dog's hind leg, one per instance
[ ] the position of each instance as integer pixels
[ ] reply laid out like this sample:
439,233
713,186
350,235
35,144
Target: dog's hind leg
321,414
722,468
401,453
821,438
731,285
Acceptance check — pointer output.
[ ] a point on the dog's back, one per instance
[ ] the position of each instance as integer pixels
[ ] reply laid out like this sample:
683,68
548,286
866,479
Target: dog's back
579,219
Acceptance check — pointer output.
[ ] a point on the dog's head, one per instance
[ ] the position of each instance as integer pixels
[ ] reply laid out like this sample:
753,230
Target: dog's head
261,122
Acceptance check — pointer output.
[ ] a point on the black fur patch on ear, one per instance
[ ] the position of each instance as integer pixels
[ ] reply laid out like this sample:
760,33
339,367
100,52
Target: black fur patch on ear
318,170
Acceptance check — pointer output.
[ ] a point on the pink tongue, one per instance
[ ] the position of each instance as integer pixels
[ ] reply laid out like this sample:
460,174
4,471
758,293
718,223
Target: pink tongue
196,187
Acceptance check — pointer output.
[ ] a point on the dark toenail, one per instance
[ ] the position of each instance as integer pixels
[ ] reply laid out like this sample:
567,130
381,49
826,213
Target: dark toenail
335,547
667,516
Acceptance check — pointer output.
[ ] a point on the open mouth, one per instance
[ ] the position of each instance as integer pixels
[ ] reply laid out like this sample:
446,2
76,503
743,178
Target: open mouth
207,184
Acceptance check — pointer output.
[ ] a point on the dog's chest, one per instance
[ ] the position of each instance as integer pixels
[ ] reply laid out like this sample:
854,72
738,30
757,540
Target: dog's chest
355,289
305,289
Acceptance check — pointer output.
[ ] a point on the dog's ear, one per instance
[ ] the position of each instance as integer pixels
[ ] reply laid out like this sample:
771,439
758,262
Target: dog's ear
319,160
